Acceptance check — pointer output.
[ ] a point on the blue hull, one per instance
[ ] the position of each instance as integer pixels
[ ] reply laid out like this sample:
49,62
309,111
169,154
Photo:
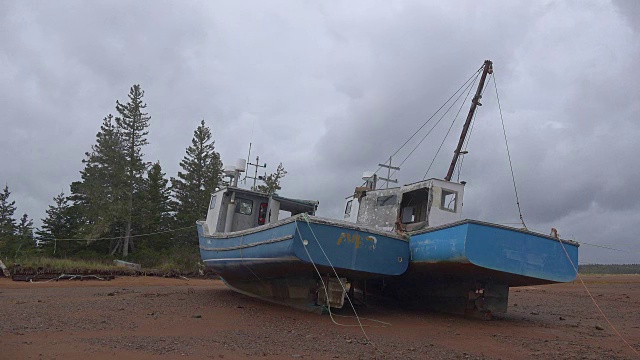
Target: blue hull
292,248
471,249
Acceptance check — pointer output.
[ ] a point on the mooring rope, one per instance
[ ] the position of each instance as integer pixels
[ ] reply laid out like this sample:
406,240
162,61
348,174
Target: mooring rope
594,300
306,218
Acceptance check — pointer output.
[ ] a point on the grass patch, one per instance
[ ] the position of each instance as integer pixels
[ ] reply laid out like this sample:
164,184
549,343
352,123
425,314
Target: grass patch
178,261
67,265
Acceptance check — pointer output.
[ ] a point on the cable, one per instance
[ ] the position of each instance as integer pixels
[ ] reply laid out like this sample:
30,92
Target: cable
119,237
579,242
513,178
438,122
448,131
468,139
432,116
466,144
608,247
594,300
306,218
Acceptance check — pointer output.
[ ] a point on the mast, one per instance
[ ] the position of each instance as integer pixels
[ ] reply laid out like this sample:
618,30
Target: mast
488,69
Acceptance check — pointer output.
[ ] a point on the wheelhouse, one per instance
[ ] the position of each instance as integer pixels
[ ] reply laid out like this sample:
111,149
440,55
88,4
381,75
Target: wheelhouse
410,207
235,209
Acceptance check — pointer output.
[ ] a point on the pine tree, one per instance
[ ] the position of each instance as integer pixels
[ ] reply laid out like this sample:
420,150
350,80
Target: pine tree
7,209
24,235
133,123
156,208
7,222
200,176
100,198
272,181
14,237
25,227
59,224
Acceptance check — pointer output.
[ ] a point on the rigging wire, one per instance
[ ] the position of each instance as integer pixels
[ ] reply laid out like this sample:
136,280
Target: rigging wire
513,178
465,146
469,87
448,131
433,115
466,143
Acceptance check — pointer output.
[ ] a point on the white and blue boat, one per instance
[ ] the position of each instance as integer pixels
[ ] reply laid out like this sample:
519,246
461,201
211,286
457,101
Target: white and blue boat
301,260
458,265
453,261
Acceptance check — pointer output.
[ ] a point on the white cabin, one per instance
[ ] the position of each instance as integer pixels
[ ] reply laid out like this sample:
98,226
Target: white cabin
410,207
234,209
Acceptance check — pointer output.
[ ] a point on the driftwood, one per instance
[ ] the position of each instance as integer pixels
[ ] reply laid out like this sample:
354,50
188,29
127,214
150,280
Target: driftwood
127,264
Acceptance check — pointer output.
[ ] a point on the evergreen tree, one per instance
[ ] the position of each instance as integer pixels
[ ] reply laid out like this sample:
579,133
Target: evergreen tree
59,224
24,235
156,208
100,198
7,222
25,227
14,237
200,176
133,123
272,181
7,209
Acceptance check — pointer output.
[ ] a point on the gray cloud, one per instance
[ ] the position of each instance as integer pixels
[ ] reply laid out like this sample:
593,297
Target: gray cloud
331,89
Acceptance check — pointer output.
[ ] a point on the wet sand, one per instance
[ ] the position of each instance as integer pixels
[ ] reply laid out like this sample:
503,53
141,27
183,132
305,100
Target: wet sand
149,318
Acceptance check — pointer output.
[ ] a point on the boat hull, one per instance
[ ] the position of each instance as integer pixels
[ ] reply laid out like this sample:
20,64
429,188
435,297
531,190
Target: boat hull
474,249
282,262
468,266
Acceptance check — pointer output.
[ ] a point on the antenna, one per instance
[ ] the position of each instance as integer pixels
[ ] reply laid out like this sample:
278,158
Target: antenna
255,177
389,168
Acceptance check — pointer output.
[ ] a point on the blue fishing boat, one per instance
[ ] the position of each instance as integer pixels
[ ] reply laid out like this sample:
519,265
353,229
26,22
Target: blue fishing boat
516,257
457,265
301,260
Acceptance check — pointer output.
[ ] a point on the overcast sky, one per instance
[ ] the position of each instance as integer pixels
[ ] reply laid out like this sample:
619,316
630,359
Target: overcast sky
332,88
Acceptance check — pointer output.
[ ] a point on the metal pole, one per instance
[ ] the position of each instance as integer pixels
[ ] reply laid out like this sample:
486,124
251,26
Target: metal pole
389,172
488,69
255,176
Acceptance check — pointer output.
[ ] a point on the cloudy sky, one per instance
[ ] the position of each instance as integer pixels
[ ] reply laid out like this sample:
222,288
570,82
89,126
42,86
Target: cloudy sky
332,88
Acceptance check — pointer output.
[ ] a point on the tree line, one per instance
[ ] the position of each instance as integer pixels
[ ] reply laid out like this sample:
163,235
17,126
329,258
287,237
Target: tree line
609,269
120,196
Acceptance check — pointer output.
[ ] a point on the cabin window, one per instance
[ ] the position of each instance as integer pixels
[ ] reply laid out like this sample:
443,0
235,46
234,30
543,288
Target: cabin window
347,210
212,203
386,200
407,215
414,206
449,200
244,206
